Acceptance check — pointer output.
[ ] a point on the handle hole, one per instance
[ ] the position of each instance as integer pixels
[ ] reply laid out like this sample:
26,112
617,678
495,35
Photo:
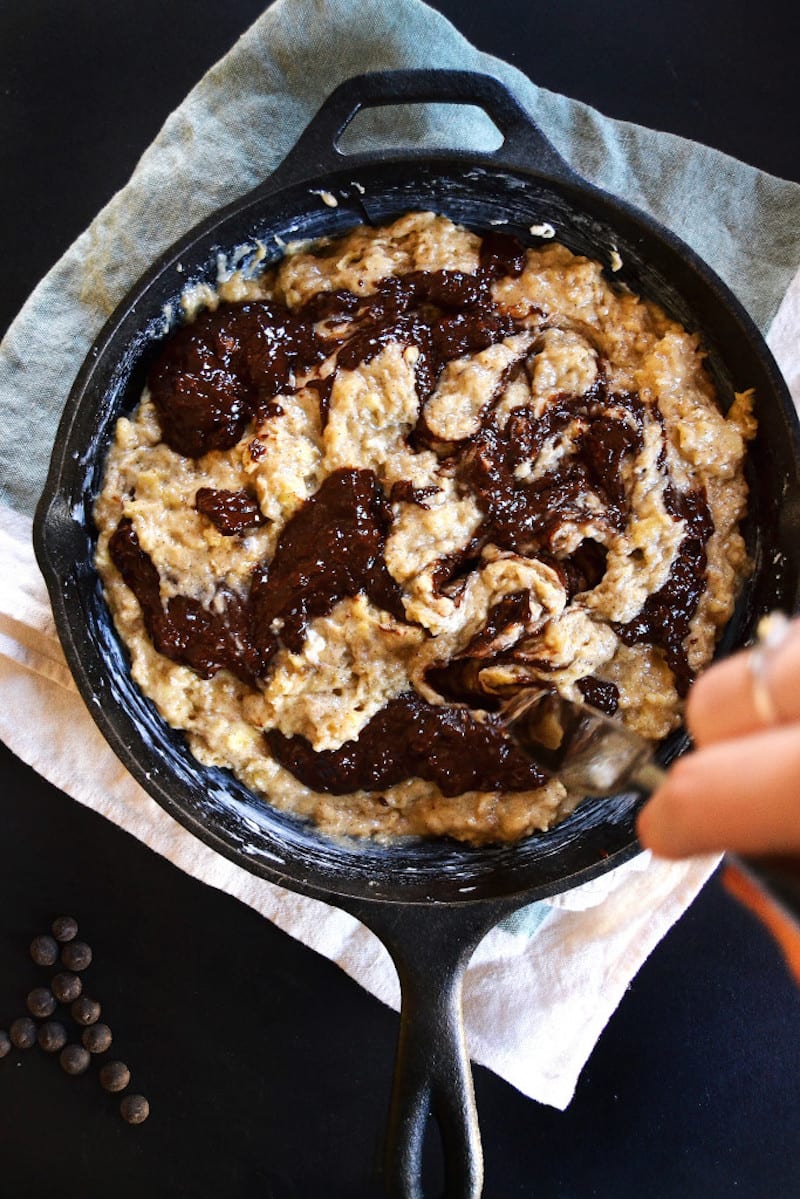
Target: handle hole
420,126
432,1160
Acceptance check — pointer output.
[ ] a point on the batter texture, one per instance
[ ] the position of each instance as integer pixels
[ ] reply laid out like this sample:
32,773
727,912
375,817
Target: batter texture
373,491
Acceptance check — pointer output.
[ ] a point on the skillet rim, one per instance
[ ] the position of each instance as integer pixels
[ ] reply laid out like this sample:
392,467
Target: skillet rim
52,522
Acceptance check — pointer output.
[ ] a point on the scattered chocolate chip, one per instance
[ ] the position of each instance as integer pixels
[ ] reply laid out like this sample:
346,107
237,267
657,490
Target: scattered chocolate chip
134,1109
52,1036
44,950
96,1038
114,1076
66,987
23,1033
41,1002
74,1059
65,928
85,1011
77,955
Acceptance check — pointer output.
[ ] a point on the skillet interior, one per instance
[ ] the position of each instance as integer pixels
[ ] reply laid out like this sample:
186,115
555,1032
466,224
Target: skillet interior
213,804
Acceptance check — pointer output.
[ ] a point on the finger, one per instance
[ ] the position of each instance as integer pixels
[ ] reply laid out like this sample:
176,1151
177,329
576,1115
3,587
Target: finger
722,704
737,795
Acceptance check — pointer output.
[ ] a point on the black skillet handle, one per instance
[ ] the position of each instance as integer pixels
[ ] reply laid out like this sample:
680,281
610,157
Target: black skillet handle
317,152
431,947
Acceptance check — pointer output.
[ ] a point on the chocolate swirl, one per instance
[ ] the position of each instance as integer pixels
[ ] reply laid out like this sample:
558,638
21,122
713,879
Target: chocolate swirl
217,377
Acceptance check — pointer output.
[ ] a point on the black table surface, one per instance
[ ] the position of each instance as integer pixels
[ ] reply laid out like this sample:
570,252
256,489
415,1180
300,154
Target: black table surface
267,1069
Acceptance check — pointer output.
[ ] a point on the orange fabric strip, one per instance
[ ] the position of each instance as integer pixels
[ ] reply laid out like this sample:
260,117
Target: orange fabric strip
783,928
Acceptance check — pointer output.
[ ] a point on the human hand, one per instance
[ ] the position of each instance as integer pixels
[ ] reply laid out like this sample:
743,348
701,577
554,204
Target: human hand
740,789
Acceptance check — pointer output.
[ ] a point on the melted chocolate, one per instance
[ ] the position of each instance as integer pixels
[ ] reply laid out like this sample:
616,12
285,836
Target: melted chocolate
323,388
219,374
666,614
599,693
331,305
444,289
452,571
184,631
405,492
585,567
505,623
411,738
445,314
526,516
331,548
212,375
501,254
459,679
231,512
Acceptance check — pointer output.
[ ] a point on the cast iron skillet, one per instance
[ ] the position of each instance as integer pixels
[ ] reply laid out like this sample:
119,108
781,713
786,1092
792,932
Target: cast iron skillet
432,902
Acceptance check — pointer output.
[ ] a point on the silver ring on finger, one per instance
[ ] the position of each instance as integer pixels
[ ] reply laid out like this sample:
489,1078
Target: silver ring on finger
771,633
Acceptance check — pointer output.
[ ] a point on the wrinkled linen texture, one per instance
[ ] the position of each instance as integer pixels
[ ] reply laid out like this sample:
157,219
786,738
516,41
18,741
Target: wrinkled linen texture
540,988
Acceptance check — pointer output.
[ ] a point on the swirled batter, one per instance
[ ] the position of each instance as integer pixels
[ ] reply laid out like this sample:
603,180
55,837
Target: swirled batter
371,492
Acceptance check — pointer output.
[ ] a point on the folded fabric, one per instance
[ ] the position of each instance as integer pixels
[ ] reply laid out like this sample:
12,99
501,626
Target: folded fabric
541,987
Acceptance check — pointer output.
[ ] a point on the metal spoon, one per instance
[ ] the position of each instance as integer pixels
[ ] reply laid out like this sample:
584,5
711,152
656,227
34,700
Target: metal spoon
597,755
591,752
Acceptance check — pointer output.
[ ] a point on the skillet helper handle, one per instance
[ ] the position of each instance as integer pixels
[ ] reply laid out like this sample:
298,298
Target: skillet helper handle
317,151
